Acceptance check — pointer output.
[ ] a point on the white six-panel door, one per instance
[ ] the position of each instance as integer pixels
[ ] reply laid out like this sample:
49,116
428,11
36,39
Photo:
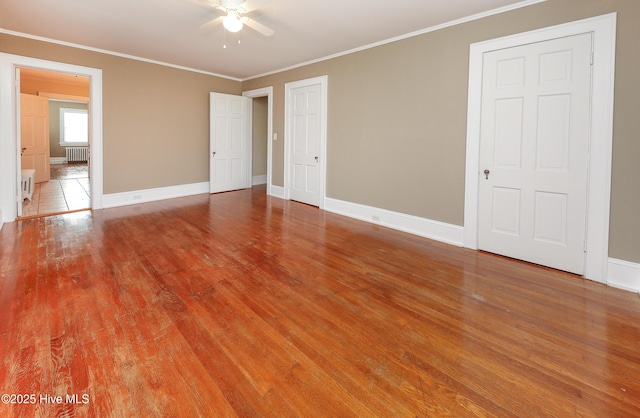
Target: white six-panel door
534,148
306,119
229,143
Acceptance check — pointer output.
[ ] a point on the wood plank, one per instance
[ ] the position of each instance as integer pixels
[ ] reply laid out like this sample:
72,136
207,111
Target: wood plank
240,304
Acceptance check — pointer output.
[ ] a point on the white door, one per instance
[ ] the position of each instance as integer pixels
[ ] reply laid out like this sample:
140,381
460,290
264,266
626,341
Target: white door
34,136
534,152
230,147
306,119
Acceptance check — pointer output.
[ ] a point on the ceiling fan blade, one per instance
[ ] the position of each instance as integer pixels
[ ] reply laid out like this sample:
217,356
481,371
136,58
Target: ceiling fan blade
251,5
211,24
259,27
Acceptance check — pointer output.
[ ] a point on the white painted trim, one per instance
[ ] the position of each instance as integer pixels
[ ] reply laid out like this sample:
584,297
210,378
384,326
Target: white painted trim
624,275
268,93
58,160
256,180
405,36
599,188
151,195
466,19
9,154
116,54
439,231
323,81
277,191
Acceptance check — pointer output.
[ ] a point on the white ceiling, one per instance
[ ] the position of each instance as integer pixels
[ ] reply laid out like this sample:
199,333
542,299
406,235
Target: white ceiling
168,31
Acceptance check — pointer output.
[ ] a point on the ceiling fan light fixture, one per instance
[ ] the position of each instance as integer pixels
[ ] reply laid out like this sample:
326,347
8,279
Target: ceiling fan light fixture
232,22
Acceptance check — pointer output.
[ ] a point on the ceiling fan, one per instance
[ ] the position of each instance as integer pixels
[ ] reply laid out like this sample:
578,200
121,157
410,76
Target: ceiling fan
234,17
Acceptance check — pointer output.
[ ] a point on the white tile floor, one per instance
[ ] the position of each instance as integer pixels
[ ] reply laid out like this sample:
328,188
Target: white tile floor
68,190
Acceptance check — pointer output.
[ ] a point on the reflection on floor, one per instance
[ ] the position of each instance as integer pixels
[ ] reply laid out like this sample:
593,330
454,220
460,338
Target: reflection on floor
67,190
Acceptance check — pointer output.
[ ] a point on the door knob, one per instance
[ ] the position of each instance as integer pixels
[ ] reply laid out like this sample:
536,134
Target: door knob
316,158
213,153
486,174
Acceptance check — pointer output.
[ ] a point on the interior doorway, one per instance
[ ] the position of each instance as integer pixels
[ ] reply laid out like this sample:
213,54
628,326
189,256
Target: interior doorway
66,102
262,120
10,171
259,139
602,29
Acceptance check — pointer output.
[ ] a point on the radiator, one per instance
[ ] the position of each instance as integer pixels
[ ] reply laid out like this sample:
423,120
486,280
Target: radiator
27,183
76,154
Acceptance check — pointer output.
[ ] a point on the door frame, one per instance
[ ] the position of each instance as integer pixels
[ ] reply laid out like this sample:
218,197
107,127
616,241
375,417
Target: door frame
603,29
9,129
268,93
323,81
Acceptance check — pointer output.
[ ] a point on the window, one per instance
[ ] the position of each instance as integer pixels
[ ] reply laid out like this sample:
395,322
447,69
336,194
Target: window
74,127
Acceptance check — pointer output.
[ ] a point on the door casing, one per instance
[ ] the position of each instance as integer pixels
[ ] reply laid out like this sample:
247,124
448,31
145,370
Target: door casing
603,29
9,150
289,87
268,93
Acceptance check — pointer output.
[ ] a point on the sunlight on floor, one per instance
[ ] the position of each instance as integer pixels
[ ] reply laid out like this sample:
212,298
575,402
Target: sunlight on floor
68,190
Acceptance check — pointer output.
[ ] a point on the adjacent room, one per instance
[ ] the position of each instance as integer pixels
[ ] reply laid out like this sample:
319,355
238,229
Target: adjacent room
284,208
54,143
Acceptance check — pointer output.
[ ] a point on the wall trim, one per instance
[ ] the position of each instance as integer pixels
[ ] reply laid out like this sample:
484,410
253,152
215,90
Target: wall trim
151,195
276,191
113,53
427,228
58,160
624,275
504,9
255,180
519,5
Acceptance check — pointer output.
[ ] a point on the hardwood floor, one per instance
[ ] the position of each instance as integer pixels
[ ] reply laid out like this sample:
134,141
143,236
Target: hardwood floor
238,304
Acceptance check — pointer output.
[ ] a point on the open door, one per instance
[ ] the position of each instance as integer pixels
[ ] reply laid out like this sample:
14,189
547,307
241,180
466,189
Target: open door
230,147
34,136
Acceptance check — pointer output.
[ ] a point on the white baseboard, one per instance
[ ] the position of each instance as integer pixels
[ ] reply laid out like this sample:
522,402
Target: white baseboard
275,191
151,195
58,160
259,180
439,231
621,274
624,275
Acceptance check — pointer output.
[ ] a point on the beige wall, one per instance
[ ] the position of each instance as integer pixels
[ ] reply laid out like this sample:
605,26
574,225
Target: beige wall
259,136
155,118
397,117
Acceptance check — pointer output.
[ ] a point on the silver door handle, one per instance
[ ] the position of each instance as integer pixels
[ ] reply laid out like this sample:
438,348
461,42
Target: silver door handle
316,158
486,174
